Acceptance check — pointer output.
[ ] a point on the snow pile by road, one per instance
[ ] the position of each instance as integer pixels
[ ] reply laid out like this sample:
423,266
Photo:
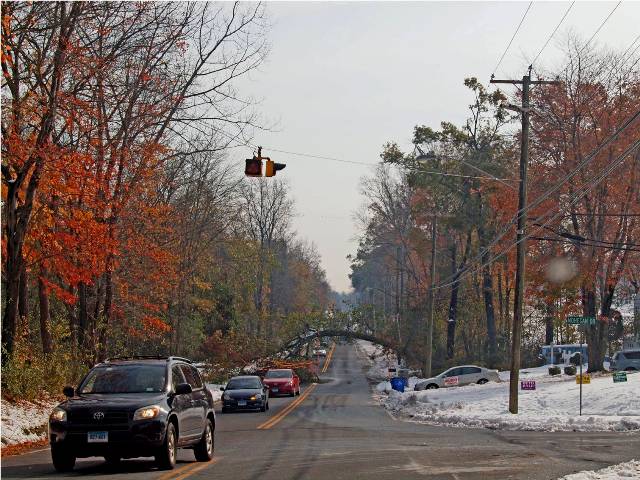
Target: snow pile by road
379,360
214,388
622,471
553,406
25,421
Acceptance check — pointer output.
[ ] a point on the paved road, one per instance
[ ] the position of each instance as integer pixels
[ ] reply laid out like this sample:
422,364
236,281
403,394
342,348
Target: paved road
334,430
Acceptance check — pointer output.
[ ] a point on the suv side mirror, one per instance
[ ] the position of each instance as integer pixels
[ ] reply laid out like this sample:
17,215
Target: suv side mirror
68,391
183,389
222,389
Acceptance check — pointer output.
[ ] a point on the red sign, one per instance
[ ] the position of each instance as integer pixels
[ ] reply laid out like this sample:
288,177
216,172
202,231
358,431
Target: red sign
449,381
528,385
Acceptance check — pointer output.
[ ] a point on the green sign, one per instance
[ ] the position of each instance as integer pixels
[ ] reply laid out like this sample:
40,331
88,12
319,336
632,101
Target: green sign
581,320
619,377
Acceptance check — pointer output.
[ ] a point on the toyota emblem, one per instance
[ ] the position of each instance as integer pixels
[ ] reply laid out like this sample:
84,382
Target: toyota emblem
98,416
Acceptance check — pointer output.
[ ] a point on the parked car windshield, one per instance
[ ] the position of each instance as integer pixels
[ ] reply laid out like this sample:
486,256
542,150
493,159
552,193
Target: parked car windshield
278,374
125,379
242,383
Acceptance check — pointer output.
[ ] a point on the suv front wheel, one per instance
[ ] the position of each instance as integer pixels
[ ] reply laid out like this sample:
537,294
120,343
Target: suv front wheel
166,457
204,449
63,459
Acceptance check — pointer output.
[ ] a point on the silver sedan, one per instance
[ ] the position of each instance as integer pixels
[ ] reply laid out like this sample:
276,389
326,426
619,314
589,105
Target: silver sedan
457,376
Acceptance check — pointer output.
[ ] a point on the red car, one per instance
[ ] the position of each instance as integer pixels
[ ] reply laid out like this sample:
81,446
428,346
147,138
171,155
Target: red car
282,381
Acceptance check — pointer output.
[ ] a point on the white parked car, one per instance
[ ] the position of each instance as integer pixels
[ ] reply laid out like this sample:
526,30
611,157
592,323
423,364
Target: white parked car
457,376
320,352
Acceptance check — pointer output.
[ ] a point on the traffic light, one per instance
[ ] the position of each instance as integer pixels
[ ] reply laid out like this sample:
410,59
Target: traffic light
253,167
272,167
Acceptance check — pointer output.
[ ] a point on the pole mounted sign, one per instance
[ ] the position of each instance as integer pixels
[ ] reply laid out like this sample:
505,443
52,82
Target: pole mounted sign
583,378
619,377
575,320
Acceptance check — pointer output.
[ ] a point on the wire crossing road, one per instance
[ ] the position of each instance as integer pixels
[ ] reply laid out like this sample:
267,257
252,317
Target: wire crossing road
335,430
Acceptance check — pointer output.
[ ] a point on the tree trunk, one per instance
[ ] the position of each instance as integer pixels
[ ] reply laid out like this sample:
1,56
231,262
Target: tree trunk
595,334
23,302
45,321
453,307
548,331
487,290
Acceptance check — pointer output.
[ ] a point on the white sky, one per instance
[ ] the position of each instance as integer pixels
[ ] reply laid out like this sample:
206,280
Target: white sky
344,78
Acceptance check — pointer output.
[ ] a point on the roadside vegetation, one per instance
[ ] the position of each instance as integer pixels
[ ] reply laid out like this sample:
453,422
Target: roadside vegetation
583,256
125,228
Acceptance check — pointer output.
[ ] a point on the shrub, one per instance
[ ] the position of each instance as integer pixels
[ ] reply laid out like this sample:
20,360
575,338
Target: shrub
554,370
570,370
28,373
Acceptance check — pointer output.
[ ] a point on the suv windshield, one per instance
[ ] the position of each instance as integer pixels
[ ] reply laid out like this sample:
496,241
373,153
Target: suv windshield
278,374
125,379
242,383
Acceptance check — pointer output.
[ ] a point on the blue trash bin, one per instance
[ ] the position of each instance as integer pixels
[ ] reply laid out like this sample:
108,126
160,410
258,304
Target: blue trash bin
397,384
405,382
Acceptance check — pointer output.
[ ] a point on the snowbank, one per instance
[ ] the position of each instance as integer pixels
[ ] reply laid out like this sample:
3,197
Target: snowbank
553,406
622,471
214,388
379,360
25,421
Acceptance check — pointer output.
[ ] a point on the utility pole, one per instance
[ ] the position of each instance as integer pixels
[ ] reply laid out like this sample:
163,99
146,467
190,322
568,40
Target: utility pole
429,340
521,232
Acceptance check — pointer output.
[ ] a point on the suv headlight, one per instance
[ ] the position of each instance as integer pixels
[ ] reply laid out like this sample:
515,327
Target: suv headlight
147,413
226,396
58,415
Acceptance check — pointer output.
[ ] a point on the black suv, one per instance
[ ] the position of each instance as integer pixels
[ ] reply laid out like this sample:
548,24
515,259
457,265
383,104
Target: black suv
134,407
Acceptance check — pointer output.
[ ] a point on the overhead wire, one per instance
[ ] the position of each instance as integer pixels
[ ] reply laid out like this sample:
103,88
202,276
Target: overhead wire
553,33
512,38
601,25
575,199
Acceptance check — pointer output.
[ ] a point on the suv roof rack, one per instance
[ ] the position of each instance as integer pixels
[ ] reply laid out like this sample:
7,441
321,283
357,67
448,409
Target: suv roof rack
148,357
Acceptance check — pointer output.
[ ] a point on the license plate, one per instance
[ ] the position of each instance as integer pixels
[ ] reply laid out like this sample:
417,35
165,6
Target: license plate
242,403
274,390
97,437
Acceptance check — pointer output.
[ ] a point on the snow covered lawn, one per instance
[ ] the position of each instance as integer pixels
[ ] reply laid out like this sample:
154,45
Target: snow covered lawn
25,421
553,406
622,471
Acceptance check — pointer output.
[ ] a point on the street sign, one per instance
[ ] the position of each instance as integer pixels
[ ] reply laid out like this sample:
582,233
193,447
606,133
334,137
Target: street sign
619,377
583,379
449,381
575,320
528,385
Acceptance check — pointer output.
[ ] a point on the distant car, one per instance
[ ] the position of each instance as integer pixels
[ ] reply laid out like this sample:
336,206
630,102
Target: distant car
245,393
457,376
625,360
282,381
320,352
136,407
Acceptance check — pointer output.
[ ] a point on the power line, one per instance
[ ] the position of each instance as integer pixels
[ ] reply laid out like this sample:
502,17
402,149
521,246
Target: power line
552,190
577,197
602,24
511,41
604,247
553,33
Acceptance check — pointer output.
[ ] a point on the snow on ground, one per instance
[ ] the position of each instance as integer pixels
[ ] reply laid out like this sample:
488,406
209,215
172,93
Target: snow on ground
553,406
380,361
25,421
214,388
622,471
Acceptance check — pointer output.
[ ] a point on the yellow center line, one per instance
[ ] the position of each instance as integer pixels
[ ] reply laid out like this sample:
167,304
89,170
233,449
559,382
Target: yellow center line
288,409
186,470
176,471
328,359
200,466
